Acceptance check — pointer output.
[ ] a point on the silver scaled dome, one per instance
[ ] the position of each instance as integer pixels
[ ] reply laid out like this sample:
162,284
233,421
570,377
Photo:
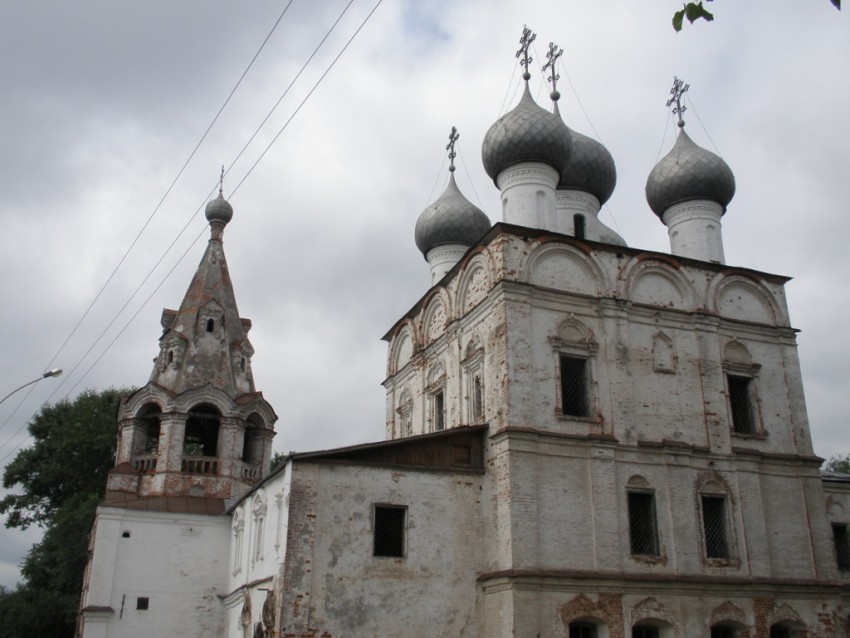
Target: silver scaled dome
452,219
219,210
686,173
590,168
528,133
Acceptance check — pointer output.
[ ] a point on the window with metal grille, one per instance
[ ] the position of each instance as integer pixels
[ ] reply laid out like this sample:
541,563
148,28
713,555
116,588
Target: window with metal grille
842,545
582,630
723,631
439,410
645,631
714,527
780,631
574,386
389,530
741,405
643,532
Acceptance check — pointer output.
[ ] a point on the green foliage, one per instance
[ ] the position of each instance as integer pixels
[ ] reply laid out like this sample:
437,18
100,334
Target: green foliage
73,449
62,476
838,463
278,459
694,11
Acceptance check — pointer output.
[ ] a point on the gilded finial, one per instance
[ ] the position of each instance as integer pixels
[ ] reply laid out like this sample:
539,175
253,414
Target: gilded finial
679,89
525,57
552,56
453,138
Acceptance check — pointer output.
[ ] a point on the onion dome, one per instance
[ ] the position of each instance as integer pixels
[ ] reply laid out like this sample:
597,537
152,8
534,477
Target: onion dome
689,172
219,210
590,168
528,133
452,219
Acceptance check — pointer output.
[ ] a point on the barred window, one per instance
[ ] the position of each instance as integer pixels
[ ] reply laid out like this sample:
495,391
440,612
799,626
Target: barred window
582,630
714,526
574,386
389,530
643,532
842,545
740,403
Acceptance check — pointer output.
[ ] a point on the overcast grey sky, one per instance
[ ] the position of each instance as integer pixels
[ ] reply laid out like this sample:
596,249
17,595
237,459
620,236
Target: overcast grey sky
104,101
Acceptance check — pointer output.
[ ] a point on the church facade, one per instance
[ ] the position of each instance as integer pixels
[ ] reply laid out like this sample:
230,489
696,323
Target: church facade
583,439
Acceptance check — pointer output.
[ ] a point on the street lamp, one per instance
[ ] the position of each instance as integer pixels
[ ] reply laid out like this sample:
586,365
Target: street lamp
50,373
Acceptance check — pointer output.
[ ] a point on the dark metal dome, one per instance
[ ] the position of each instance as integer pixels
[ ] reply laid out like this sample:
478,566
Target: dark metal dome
686,173
590,168
219,210
528,133
452,219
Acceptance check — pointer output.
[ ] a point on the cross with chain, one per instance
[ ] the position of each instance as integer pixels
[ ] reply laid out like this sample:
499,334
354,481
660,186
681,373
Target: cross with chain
679,89
525,42
552,56
453,138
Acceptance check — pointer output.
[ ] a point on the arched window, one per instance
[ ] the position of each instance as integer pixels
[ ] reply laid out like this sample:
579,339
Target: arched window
149,416
645,631
723,631
210,325
252,450
202,426
582,630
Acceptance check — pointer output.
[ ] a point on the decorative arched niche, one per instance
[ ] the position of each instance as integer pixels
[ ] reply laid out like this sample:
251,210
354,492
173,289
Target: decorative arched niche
656,283
664,356
402,349
562,267
473,373
435,392
739,297
474,283
405,413
435,319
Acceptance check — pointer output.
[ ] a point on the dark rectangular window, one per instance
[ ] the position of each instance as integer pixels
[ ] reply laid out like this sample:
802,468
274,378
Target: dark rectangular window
643,533
714,526
439,411
582,630
740,402
779,631
644,631
574,386
389,530
142,602
723,632
842,545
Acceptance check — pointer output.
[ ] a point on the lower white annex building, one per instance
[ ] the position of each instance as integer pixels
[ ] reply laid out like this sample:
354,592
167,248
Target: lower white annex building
584,440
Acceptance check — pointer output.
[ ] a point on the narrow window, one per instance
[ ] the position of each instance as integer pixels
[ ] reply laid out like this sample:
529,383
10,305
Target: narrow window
643,532
578,226
210,325
439,410
476,398
389,531
842,545
741,404
142,602
582,630
645,631
574,386
722,631
170,357
714,526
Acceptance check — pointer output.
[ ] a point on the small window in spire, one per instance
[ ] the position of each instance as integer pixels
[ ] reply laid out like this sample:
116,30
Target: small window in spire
210,325
170,357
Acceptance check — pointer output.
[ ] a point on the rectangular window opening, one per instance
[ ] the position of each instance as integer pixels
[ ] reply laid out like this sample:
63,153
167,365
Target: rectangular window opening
842,545
714,526
142,602
643,531
439,410
389,531
740,403
574,386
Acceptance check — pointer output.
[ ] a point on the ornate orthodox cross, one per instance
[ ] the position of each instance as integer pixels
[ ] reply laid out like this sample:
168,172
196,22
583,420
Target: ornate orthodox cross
525,57
453,138
677,92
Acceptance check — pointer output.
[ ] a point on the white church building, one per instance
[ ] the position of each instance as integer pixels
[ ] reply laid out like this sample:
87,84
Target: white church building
583,439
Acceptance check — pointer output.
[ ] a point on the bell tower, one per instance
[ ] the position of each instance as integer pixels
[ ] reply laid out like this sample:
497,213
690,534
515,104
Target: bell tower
198,429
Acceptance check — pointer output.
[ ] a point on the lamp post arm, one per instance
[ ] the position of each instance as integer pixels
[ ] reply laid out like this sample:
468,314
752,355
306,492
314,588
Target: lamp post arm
50,373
